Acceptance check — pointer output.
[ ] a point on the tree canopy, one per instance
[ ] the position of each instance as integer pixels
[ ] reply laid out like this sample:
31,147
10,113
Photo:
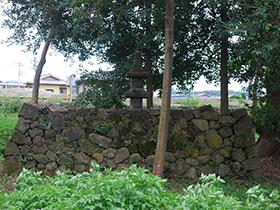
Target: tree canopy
34,21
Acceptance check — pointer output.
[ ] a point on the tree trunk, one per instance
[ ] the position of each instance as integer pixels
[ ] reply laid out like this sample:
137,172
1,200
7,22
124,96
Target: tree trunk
255,92
167,81
148,56
36,82
268,144
149,69
224,60
273,101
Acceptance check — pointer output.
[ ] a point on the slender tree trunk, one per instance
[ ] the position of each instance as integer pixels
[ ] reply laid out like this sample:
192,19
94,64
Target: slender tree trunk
36,82
224,60
167,81
149,69
148,57
255,92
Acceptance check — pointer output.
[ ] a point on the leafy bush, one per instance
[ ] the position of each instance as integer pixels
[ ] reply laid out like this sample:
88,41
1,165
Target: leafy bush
132,188
10,105
7,126
103,90
192,102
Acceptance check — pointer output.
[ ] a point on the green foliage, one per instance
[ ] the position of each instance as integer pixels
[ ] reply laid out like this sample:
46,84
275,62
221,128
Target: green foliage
239,97
257,58
191,102
7,126
103,128
132,188
209,194
8,120
126,26
10,105
103,90
64,22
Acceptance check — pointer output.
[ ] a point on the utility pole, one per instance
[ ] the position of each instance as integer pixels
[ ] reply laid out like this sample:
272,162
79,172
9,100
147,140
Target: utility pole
19,73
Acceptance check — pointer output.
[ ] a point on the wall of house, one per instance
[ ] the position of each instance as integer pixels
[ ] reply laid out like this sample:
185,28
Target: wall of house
200,140
56,88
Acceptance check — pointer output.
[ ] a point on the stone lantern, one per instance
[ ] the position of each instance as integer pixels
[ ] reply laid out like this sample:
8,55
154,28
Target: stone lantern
136,93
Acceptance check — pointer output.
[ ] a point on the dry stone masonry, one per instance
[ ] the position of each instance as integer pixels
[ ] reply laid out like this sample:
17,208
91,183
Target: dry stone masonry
200,140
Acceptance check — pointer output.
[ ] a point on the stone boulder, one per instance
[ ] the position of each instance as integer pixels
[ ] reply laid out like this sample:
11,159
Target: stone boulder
121,155
227,120
238,155
29,112
20,139
243,126
23,125
82,158
135,158
102,141
250,164
201,124
224,170
74,133
98,157
109,153
214,140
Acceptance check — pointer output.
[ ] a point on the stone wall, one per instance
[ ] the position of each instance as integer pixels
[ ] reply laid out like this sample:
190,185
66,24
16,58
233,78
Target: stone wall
200,140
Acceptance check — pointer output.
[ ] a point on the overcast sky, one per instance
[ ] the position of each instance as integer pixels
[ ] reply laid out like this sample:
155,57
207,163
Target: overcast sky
13,60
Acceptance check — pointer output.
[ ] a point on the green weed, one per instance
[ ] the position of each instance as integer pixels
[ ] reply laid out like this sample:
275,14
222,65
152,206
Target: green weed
7,127
132,188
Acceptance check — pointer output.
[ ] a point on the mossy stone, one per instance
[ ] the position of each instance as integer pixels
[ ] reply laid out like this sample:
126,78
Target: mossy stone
190,149
132,148
180,138
194,152
87,146
146,148
251,151
214,140
116,118
225,152
206,151
200,141
12,165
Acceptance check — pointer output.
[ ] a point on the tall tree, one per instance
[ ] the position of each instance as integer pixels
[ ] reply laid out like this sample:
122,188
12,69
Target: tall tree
55,23
127,26
224,58
258,30
148,56
166,93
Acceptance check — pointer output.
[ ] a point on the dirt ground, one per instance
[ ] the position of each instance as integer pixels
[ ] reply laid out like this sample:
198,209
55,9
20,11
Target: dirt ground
270,167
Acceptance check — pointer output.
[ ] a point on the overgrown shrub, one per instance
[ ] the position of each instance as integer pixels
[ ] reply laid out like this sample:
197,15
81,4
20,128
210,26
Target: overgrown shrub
10,105
8,121
104,89
132,188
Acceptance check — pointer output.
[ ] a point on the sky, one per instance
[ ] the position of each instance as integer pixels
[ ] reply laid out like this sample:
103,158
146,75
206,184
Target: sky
18,65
